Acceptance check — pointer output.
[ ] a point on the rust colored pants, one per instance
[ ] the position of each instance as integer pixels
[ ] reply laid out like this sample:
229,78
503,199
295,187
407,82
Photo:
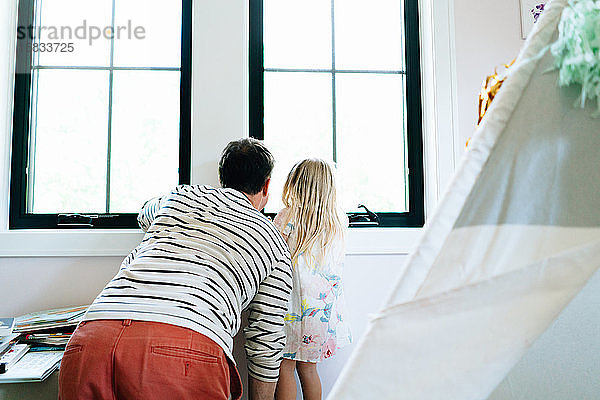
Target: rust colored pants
125,359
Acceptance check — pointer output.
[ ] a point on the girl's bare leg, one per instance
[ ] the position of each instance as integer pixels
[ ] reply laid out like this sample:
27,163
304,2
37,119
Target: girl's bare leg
286,385
309,379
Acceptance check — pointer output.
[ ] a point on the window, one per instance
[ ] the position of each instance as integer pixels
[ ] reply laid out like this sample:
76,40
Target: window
102,110
340,80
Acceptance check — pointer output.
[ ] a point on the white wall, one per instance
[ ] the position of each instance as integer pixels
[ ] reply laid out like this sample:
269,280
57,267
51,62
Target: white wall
487,35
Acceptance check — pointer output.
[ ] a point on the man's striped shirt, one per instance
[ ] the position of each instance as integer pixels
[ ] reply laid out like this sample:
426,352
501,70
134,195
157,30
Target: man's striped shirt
207,255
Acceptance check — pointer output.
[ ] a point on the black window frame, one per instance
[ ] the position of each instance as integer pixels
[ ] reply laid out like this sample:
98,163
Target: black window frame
415,217
19,218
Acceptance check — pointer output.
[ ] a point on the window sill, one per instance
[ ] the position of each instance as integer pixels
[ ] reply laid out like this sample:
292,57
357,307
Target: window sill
382,241
118,243
68,242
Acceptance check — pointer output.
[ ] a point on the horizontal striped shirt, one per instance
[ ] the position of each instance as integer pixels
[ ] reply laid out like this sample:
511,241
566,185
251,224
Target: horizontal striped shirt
207,255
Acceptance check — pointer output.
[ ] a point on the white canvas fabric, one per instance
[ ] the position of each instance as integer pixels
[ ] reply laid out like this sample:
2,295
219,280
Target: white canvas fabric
515,238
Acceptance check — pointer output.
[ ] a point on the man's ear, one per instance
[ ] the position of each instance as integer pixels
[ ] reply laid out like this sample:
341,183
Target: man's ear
265,190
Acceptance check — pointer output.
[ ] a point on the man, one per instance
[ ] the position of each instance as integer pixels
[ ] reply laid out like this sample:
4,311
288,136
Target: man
163,328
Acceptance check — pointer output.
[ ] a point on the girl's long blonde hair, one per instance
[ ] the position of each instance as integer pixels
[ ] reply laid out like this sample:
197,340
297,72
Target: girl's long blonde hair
310,195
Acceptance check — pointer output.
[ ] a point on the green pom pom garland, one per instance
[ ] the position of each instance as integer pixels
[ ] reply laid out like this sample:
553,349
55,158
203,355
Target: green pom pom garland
577,50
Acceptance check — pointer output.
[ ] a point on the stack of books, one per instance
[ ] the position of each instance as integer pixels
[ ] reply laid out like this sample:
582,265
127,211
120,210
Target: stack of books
32,367
50,319
31,349
47,339
10,351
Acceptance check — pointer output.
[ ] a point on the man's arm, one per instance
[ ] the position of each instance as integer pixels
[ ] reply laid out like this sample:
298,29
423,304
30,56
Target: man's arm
259,390
145,217
265,335
149,211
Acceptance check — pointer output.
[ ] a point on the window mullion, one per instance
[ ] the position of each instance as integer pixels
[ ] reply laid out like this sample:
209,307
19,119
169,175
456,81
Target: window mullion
30,168
333,103
110,100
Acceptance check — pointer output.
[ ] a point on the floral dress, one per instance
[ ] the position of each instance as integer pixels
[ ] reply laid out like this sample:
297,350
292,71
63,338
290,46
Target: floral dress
314,323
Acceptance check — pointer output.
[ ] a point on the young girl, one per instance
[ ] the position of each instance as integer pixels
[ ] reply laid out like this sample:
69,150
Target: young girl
314,230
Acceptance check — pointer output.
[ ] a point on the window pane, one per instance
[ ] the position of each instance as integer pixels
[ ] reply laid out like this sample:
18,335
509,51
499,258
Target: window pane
368,35
69,141
145,137
370,141
297,34
298,123
147,33
80,22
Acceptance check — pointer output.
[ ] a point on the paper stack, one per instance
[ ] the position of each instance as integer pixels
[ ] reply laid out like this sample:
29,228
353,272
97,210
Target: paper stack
12,355
47,339
57,318
38,340
33,367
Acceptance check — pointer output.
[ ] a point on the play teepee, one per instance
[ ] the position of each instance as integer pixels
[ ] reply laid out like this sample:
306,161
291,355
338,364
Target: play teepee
515,238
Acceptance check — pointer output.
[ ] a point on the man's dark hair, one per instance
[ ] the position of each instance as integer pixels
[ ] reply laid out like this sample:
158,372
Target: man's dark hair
245,165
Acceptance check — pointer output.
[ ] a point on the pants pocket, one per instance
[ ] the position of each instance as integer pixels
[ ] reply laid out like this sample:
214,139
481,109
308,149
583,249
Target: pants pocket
73,349
175,372
70,373
183,353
